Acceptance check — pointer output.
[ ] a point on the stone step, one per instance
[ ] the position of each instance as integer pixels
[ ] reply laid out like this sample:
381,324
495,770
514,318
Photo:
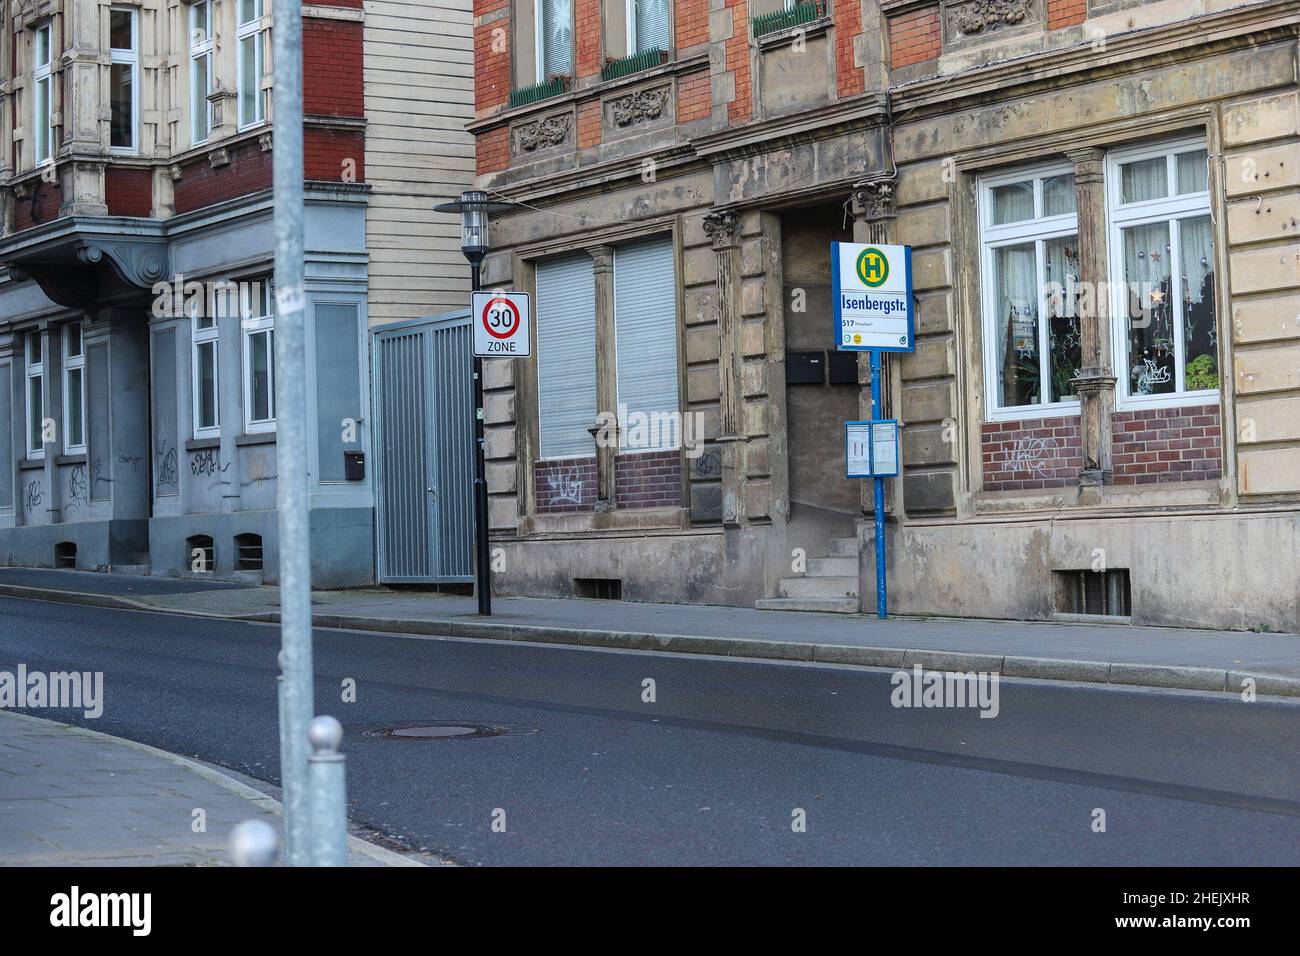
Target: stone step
831,587
844,547
833,567
844,605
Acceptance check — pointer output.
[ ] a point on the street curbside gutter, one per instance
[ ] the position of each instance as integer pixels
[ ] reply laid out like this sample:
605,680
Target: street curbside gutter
1168,676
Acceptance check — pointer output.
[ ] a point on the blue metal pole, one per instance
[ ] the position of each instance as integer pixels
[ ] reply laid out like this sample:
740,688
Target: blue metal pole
882,597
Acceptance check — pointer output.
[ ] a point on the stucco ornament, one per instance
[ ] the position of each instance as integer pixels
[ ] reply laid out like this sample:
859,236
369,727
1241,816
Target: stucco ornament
722,228
983,16
544,133
639,107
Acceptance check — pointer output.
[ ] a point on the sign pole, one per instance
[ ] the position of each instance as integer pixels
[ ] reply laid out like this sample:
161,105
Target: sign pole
882,597
482,575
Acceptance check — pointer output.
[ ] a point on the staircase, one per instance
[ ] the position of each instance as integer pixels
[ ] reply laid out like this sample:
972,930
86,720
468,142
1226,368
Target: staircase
830,584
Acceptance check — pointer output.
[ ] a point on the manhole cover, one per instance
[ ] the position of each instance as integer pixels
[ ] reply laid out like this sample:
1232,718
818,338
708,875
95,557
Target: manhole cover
445,731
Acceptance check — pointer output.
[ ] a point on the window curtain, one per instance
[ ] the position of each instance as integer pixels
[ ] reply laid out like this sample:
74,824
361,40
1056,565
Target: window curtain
1200,326
557,38
652,25
1016,281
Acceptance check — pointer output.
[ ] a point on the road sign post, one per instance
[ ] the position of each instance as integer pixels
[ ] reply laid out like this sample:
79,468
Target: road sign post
874,312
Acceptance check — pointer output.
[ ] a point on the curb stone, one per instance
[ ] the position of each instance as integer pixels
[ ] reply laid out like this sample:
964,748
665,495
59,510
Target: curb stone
1171,676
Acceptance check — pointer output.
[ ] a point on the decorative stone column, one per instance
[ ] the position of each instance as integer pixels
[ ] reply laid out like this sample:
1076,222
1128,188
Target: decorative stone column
724,229
602,259
1095,380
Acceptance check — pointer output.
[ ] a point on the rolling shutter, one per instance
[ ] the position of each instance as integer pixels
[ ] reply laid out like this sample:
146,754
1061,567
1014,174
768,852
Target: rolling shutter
566,356
645,325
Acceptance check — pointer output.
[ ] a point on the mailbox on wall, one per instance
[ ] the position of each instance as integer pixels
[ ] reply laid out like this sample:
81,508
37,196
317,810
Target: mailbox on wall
354,465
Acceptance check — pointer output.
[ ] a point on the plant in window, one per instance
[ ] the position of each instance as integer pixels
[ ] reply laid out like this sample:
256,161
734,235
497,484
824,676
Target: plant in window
1201,373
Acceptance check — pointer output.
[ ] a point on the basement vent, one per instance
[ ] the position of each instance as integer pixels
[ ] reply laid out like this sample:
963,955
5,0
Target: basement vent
200,554
607,589
248,552
65,555
1095,592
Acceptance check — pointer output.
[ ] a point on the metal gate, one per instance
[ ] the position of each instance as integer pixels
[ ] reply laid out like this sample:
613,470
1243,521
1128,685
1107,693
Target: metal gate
424,441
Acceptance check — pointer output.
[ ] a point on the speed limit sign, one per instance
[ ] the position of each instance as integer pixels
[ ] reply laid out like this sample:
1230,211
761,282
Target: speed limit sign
502,323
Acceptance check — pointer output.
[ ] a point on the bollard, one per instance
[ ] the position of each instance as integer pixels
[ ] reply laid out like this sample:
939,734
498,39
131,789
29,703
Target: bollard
327,794
254,843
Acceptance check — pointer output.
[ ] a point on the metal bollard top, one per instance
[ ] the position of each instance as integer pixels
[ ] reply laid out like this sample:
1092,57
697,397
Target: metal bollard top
254,843
325,734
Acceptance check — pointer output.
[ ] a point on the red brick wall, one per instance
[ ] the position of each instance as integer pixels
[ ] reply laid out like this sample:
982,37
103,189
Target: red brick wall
48,199
648,479
694,97
692,23
128,191
587,32
1066,13
742,107
249,171
641,480
332,62
565,485
848,24
493,150
914,37
325,152
589,123
491,66
1031,454
1167,444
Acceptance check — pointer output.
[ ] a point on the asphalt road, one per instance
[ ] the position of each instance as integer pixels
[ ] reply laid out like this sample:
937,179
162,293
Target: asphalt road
716,768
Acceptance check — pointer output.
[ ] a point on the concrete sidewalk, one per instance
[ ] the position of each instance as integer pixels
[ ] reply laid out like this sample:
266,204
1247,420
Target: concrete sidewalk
1105,653
74,797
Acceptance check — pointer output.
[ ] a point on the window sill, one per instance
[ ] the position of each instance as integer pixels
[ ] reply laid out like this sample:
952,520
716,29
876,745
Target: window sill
256,438
31,464
73,458
201,444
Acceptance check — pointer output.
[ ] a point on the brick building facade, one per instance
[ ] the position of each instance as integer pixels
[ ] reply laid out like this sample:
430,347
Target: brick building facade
1128,448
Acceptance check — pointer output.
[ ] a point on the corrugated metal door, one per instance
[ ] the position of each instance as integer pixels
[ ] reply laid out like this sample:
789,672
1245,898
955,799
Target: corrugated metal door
425,444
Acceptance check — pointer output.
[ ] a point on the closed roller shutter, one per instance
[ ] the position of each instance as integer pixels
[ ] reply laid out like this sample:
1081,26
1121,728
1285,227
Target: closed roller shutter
645,324
566,356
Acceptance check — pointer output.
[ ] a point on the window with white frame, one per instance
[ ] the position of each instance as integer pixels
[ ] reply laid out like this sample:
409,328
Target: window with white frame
566,356
1162,259
201,46
123,78
258,323
74,390
554,26
1031,298
43,95
35,366
250,40
205,369
648,25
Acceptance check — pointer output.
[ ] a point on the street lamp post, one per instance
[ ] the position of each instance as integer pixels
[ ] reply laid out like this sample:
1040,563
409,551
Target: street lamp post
474,208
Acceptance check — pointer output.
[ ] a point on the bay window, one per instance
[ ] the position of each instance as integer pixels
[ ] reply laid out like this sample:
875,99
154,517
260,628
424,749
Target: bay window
42,96
1030,266
258,325
554,29
205,371
74,390
35,393
201,47
1162,273
123,83
249,37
